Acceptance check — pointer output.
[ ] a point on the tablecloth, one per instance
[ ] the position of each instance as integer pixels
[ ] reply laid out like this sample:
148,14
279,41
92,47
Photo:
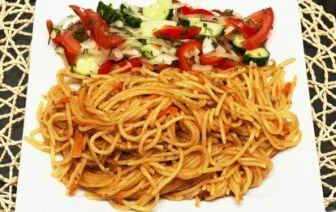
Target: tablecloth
16,22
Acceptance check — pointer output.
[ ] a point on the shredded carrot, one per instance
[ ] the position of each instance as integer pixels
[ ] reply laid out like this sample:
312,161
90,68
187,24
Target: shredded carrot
150,97
227,128
172,110
225,88
77,121
119,86
199,76
60,103
285,126
237,98
77,148
288,88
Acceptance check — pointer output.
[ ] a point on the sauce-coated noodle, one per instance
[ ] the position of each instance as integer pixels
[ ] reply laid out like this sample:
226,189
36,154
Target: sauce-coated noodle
133,138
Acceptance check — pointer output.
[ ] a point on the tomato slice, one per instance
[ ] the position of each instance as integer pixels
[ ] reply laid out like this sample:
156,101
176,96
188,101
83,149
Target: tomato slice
209,60
98,27
134,63
108,65
177,32
57,40
185,10
70,43
246,30
264,19
226,64
184,50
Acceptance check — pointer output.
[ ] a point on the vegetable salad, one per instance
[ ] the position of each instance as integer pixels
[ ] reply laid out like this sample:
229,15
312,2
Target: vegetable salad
164,34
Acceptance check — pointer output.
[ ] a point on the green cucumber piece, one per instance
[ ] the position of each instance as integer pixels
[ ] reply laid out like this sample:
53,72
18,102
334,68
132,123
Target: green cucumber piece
150,51
260,56
237,44
129,16
211,29
183,22
109,14
160,10
86,65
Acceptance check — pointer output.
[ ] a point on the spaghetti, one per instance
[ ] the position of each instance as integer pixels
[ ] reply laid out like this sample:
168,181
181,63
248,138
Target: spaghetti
134,137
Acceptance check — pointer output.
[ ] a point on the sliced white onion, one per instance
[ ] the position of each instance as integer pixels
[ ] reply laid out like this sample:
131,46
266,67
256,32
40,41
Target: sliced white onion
164,49
228,30
71,19
224,55
196,56
163,58
89,44
131,52
201,68
116,54
119,24
220,48
172,51
53,34
207,45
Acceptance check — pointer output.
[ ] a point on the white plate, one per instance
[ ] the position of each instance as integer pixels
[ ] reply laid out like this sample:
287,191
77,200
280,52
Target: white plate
293,185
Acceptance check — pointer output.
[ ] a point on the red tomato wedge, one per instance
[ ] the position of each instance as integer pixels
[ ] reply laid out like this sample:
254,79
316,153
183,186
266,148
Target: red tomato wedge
108,65
98,27
264,20
184,50
246,30
226,64
177,32
185,10
71,46
71,58
57,40
70,43
209,60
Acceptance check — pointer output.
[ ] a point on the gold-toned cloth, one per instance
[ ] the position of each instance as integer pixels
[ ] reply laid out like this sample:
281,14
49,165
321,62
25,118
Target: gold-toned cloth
15,34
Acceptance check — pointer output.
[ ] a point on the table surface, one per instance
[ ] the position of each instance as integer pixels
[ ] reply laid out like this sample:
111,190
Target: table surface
319,35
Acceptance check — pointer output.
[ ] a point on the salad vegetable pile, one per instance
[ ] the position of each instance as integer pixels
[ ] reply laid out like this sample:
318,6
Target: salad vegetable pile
165,33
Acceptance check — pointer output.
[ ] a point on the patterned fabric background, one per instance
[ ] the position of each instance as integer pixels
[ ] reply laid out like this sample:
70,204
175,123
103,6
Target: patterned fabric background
16,18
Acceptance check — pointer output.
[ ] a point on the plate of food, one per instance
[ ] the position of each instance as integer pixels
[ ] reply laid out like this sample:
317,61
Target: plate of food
166,105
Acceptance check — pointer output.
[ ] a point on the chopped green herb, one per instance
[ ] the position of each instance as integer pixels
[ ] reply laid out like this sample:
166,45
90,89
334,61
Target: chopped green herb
85,51
142,41
80,34
227,12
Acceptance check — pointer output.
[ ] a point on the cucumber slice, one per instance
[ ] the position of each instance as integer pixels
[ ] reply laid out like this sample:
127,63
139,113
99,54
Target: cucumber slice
86,65
148,27
129,15
161,10
108,13
259,56
150,51
211,29
237,44
134,43
188,21
194,21
163,59
183,22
